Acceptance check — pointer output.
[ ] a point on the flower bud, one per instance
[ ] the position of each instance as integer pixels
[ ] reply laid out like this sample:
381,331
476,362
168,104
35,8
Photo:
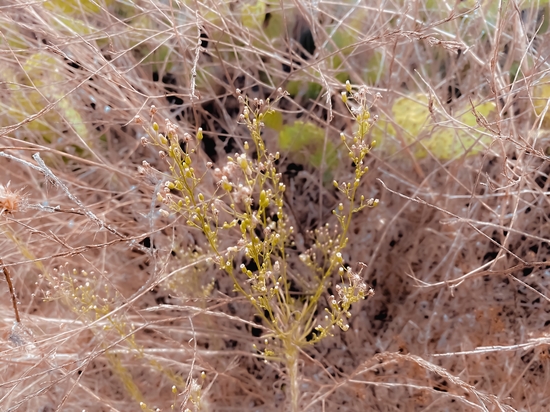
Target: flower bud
344,97
348,86
264,201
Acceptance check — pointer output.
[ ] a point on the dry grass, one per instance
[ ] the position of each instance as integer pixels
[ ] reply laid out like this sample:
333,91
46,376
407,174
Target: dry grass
457,250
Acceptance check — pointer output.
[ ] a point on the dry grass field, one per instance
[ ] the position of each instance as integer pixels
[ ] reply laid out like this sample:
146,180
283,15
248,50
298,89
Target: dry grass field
187,222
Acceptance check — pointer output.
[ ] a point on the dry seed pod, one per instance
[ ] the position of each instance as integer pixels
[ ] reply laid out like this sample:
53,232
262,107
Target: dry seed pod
11,201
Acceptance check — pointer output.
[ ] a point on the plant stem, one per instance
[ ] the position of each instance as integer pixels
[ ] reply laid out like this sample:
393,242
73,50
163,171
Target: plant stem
12,291
292,357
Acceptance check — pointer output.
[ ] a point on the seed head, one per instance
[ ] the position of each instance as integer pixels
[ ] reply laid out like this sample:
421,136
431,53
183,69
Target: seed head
11,201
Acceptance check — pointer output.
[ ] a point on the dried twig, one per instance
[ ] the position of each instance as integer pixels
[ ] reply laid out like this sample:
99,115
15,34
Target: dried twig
12,291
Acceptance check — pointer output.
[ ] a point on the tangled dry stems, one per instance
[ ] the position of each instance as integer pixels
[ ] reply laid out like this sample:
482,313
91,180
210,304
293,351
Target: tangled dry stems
457,252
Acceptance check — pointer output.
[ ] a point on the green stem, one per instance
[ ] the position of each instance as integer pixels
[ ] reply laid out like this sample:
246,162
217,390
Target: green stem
291,360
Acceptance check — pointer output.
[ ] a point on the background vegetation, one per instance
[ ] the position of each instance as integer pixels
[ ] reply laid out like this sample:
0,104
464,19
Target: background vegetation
122,303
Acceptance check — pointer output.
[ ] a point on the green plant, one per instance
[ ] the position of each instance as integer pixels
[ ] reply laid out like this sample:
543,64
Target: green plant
246,219
304,144
414,125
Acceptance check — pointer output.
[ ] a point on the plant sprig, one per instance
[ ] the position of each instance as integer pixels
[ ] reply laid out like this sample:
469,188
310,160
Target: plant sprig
247,215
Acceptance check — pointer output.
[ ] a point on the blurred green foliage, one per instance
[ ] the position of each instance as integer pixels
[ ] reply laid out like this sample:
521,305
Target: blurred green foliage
308,144
412,125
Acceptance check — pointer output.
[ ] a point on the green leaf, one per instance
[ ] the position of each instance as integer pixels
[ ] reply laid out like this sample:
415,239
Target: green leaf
12,36
274,120
74,6
276,22
412,124
305,143
373,68
43,71
311,90
541,94
253,15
